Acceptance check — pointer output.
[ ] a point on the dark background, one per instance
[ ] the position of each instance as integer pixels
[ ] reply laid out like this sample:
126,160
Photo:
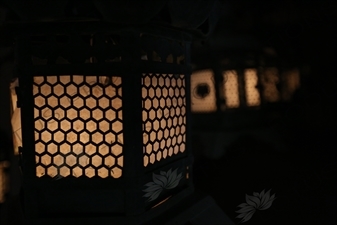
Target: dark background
303,174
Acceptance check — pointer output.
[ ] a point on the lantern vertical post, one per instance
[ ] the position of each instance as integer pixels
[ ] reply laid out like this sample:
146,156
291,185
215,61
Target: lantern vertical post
132,117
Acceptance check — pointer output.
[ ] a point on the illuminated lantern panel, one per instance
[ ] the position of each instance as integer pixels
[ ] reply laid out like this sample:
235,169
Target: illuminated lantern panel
3,181
291,81
16,118
251,82
203,91
269,80
203,88
78,126
164,116
231,87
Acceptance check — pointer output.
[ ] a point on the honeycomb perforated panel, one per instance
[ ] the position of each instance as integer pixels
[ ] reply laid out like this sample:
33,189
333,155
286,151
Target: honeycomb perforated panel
231,87
251,82
78,126
164,116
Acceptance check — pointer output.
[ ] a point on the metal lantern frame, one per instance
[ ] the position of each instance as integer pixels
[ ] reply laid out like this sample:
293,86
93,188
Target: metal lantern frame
102,49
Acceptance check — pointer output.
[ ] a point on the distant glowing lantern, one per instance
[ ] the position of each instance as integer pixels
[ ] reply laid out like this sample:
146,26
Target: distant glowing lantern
100,121
242,86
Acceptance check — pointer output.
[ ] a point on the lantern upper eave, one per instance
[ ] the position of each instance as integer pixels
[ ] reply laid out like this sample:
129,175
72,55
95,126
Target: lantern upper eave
118,14
85,26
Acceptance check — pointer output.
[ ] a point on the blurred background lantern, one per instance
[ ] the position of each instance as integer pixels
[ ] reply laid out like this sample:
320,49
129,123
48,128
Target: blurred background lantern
237,86
242,78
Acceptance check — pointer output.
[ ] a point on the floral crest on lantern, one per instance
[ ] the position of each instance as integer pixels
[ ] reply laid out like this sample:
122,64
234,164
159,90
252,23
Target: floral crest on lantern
164,180
258,201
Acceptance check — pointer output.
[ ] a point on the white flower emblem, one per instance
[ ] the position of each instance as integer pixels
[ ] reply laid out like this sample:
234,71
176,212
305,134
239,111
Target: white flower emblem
164,180
258,201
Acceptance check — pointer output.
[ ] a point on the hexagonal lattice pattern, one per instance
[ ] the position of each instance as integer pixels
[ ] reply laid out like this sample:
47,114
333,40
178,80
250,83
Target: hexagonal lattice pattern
77,130
164,116
251,82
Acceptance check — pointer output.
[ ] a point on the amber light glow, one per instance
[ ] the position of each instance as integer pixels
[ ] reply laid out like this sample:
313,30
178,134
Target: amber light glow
78,126
16,117
164,116
205,103
231,87
161,202
251,82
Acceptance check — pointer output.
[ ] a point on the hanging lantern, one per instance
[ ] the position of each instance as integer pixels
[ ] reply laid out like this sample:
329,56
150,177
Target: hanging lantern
100,120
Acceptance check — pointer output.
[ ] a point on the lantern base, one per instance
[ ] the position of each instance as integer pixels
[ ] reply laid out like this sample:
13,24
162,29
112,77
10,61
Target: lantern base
194,209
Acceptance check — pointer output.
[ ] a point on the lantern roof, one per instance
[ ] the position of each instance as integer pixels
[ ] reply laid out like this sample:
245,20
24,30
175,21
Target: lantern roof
191,15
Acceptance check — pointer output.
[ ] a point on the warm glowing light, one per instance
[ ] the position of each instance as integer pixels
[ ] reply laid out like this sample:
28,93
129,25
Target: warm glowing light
231,87
16,118
164,116
291,82
78,126
269,80
252,93
161,202
203,101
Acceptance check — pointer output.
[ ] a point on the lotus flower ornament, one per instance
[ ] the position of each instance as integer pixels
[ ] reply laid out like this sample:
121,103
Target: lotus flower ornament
164,180
258,201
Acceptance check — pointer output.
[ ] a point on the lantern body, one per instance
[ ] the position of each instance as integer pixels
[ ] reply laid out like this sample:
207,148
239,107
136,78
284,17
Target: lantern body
104,120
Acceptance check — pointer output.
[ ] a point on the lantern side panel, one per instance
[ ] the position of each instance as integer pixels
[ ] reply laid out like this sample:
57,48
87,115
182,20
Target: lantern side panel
251,83
231,88
203,98
164,116
78,126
